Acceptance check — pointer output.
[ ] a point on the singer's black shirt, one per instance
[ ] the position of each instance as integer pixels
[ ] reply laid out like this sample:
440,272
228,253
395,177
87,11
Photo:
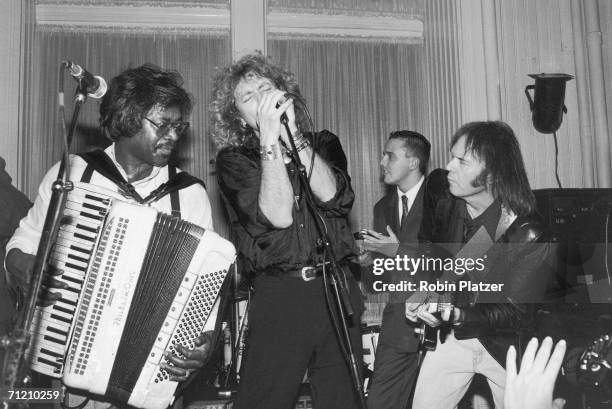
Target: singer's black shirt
265,248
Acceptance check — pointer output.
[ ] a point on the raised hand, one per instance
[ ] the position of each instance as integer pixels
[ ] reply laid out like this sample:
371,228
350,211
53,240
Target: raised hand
532,387
379,243
268,116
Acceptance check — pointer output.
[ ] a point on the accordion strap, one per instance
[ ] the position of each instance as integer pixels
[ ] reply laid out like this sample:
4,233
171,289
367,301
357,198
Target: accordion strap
176,182
100,162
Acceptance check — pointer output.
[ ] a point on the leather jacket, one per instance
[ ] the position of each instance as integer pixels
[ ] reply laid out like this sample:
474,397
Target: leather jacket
526,270
519,259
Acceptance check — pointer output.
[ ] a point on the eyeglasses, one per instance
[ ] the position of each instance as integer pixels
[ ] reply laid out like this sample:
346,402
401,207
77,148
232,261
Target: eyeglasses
164,128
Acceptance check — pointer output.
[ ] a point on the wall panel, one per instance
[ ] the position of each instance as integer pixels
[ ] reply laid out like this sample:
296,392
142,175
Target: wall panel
536,37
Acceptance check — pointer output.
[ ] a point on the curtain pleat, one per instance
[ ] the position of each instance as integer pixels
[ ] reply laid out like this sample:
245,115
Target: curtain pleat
443,82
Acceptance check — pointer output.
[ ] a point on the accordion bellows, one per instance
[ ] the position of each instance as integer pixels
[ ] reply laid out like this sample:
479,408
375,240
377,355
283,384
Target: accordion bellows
141,282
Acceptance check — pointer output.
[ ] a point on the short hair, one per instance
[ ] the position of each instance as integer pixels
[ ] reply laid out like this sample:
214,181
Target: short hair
495,144
226,126
418,144
134,92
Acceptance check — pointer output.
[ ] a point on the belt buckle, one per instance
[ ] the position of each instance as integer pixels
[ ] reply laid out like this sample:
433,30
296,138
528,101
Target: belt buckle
306,270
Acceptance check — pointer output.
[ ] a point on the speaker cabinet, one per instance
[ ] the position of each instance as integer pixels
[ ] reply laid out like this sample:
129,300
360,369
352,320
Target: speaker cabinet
581,222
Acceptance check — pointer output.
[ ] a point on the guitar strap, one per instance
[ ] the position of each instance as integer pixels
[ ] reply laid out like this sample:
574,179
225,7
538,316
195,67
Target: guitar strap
477,246
481,242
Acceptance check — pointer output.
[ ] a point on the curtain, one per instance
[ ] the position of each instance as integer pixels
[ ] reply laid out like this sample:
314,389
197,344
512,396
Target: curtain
360,91
605,19
106,54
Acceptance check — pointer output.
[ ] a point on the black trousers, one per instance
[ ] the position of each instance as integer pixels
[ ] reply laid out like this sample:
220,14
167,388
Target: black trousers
395,373
290,331
396,362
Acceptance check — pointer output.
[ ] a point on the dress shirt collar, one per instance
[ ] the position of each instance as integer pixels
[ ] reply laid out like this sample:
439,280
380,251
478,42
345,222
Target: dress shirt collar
410,194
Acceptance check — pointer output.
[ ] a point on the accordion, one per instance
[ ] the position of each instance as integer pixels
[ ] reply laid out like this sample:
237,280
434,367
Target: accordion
139,282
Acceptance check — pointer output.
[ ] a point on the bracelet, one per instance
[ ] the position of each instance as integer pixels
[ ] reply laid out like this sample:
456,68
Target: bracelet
300,141
302,144
269,152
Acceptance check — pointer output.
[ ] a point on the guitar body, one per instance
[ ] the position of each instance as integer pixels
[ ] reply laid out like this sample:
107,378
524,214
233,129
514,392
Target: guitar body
444,331
429,338
442,310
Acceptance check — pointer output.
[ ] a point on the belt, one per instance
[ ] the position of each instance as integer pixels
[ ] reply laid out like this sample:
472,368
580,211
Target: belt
306,273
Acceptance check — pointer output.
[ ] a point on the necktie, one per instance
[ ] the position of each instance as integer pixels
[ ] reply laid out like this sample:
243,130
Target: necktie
404,211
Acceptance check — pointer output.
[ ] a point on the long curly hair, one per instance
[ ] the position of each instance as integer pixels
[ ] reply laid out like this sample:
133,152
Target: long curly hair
226,125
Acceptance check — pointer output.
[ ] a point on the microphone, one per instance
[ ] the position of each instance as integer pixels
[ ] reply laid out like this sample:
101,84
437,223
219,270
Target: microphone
284,99
94,84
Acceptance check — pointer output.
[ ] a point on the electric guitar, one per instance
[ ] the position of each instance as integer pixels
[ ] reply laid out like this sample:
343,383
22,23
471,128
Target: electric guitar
441,303
442,309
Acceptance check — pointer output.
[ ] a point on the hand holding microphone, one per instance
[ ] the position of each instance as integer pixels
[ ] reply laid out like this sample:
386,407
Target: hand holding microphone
287,118
284,119
272,107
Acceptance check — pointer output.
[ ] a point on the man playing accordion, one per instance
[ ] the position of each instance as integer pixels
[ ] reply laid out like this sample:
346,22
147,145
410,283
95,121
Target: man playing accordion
143,114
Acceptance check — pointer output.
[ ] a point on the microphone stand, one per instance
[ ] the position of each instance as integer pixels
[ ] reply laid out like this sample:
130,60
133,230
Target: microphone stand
237,329
336,274
16,373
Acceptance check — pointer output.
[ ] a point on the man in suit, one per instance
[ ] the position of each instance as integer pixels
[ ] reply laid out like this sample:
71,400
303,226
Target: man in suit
397,218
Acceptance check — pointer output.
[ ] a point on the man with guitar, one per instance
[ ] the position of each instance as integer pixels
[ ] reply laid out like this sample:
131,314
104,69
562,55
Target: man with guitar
490,215
404,163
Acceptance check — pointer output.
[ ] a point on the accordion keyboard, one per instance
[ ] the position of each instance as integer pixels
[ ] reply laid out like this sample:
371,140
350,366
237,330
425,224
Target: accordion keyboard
83,217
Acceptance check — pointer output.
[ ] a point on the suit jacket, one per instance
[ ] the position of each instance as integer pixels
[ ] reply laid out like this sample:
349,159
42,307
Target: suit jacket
397,330
14,206
386,214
